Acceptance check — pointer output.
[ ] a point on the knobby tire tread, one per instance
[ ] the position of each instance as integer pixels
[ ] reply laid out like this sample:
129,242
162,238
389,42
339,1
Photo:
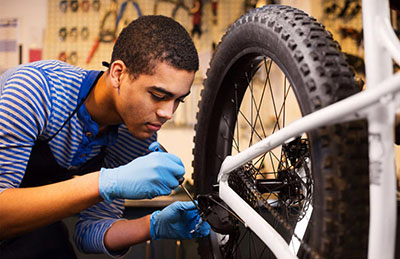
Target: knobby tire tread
339,152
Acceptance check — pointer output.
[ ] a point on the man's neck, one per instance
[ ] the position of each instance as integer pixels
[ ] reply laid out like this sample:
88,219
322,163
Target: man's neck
100,104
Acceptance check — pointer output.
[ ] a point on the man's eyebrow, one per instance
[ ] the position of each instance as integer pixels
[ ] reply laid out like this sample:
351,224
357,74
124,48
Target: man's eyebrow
171,95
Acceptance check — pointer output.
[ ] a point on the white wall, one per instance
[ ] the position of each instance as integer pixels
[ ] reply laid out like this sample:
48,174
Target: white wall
32,18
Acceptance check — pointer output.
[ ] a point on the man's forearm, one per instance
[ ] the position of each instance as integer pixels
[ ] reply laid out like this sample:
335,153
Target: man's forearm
125,233
25,209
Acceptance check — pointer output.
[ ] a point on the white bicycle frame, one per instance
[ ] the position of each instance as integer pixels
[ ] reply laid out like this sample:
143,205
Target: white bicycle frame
377,104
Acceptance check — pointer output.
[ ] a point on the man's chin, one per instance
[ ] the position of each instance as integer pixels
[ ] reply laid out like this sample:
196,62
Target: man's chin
143,135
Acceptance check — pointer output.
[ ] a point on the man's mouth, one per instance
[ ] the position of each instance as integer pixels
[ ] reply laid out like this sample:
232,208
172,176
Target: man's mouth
154,126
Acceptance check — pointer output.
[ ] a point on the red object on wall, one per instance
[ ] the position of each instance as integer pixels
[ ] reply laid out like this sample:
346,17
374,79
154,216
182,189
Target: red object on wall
35,54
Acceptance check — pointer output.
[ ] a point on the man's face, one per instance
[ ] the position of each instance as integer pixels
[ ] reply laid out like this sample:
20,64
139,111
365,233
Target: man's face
148,101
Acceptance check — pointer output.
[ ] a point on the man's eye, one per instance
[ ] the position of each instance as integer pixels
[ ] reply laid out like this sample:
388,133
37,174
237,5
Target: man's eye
158,97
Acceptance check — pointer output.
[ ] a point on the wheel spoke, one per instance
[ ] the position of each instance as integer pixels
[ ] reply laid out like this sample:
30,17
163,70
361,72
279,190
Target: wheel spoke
235,143
237,121
254,101
239,242
273,98
263,251
251,88
250,124
284,101
254,245
281,109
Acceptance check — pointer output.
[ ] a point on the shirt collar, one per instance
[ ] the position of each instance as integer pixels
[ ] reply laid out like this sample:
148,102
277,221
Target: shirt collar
88,124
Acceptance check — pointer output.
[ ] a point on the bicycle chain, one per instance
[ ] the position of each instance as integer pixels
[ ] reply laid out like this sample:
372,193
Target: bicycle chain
241,177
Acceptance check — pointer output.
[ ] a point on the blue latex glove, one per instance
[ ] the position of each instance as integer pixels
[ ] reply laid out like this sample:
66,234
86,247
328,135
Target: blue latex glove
144,178
177,221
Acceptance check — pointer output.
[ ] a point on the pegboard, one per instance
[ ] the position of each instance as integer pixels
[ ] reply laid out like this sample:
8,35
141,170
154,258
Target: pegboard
74,26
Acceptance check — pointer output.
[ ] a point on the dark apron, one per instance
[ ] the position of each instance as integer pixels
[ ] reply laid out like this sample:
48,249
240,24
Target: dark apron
51,241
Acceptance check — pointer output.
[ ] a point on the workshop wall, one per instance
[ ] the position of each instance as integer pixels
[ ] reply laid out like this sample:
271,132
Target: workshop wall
74,26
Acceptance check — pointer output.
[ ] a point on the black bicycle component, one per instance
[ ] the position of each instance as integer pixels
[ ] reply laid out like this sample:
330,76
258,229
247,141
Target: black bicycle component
220,220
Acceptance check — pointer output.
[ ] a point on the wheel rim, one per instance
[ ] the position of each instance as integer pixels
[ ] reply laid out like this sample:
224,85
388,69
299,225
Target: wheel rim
261,101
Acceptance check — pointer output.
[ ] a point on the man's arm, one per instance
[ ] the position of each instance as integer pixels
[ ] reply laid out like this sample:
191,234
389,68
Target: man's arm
125,233
179,220
25,209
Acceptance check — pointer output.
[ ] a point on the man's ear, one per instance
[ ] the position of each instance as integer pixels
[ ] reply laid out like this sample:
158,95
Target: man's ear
116,70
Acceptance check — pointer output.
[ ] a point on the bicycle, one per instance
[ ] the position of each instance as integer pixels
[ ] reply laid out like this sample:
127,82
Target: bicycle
307,187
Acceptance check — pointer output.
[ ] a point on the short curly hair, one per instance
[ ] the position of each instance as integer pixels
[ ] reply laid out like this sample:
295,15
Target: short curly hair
151,39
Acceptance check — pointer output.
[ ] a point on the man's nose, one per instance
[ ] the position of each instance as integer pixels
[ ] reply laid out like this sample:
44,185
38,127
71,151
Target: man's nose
166,110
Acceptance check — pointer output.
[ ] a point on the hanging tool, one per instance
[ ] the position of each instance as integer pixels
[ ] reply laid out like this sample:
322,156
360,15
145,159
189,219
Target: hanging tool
214,8
122,11
196,11
178,4
105,35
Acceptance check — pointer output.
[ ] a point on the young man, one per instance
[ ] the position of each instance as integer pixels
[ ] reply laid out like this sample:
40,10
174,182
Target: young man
57,120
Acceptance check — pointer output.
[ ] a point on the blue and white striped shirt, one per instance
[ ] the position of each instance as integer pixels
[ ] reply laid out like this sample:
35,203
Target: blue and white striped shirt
36,99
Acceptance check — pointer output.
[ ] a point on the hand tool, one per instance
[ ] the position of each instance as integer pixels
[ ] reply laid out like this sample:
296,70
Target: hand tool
188,193
160,148
123,8
105,35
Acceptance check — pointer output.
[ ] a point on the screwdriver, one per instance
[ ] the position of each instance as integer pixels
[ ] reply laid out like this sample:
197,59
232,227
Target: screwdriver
160,148
188,193
195,204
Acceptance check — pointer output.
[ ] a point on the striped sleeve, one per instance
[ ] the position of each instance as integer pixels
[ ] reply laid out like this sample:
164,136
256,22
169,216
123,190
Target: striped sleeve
93,224
95,221
23,114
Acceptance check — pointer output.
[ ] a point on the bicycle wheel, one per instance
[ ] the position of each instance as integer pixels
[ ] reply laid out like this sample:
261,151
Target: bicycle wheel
273,65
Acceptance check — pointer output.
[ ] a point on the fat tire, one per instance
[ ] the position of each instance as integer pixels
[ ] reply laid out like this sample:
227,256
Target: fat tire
320,76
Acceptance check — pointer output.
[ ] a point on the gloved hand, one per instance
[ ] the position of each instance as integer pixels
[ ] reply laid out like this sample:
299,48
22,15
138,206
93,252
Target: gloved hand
144,178
176,221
